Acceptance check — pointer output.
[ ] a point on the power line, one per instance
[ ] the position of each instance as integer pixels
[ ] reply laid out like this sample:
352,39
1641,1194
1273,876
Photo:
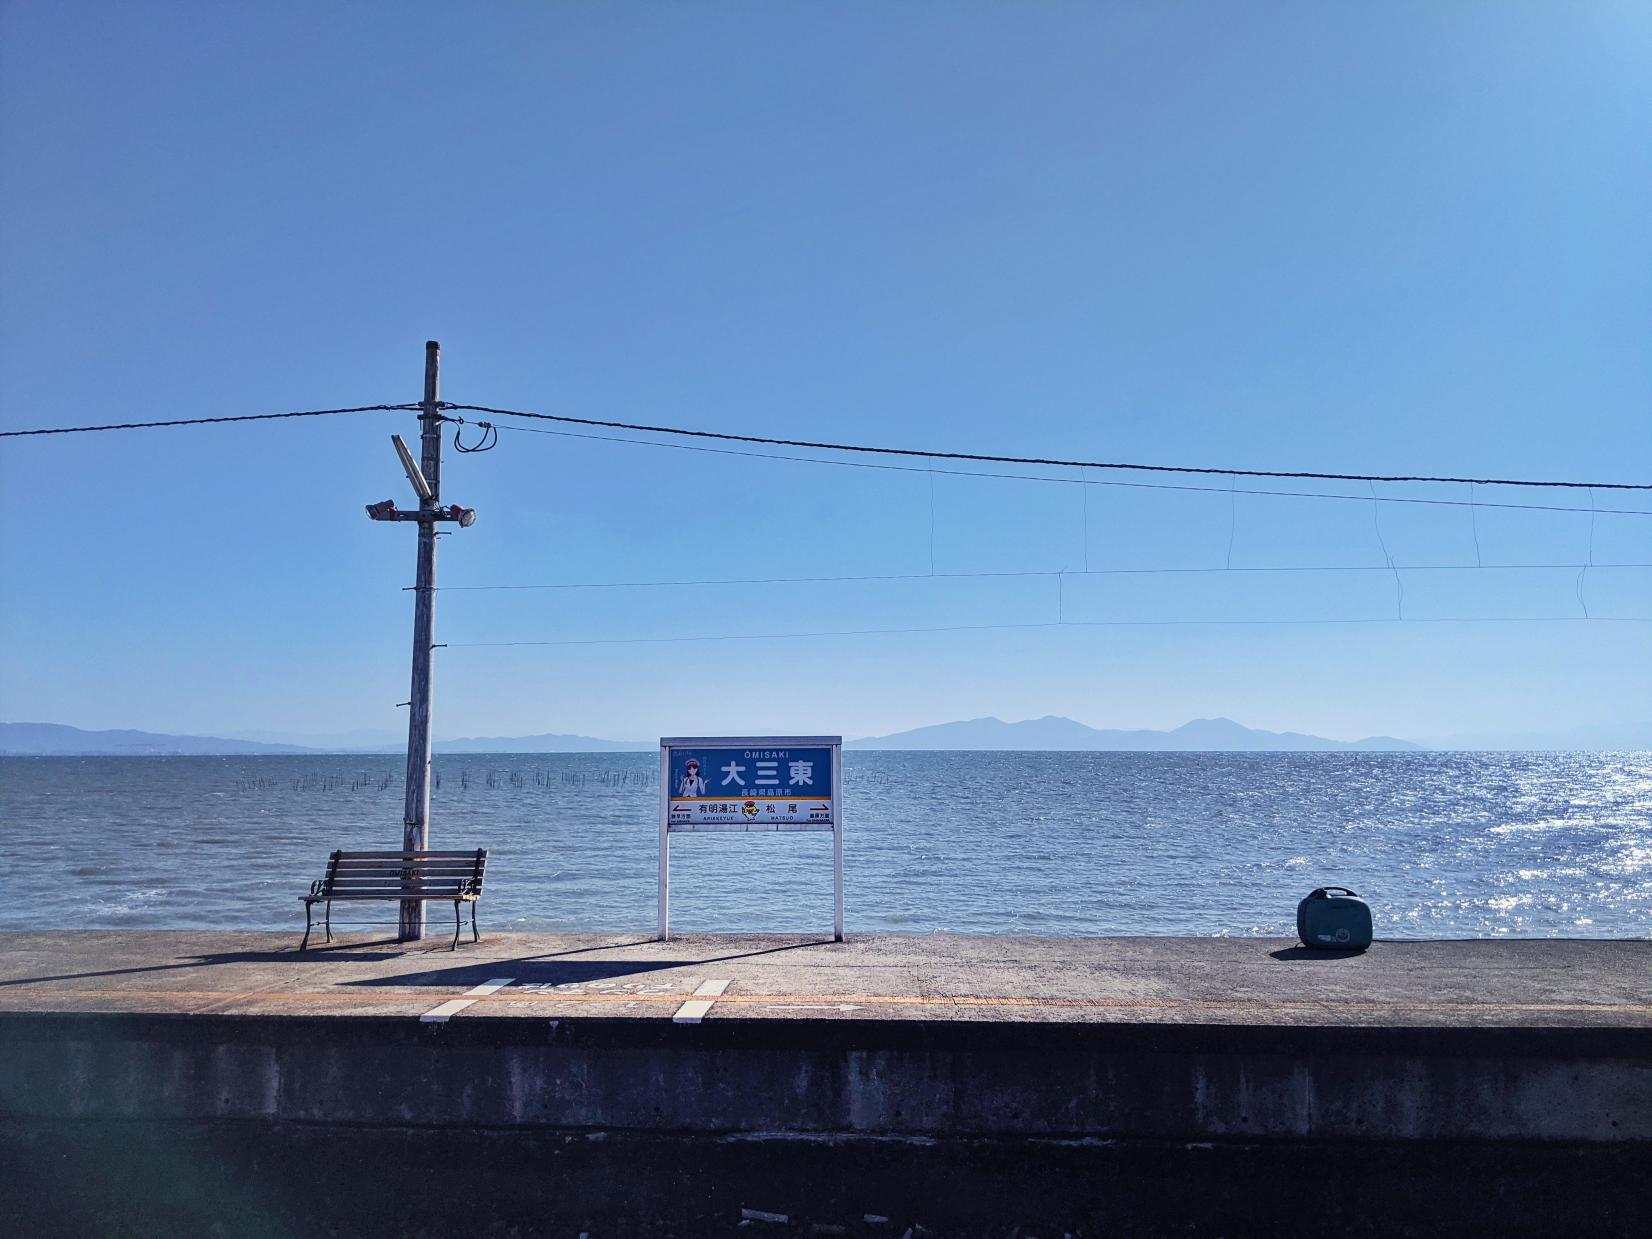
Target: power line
1031,460
926,454
1081,481
872,632
1036,572
208,421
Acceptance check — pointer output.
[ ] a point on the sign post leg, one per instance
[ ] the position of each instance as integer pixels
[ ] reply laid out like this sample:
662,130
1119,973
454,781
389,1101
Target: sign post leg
665,846
665,888
837,878
837,844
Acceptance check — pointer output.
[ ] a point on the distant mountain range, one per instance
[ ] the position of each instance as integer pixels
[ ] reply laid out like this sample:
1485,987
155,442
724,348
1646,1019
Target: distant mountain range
548,743
54,739
1050,733
365,741
1064,734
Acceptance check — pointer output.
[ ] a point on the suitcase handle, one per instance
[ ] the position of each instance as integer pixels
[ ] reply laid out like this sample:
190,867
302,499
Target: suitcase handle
1325,891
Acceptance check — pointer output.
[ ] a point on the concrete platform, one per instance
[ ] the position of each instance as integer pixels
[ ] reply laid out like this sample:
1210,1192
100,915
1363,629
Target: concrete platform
1198,981
185,1083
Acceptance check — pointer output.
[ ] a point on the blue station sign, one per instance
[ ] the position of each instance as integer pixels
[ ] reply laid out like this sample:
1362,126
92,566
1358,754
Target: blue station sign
750,785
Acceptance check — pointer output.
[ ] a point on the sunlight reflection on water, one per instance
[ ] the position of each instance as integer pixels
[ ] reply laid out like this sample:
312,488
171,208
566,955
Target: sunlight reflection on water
1452,844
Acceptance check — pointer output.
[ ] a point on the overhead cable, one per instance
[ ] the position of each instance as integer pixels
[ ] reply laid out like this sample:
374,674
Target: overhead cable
983,458
207,421
1471,503
488,441
1199,623
1034,572
864,449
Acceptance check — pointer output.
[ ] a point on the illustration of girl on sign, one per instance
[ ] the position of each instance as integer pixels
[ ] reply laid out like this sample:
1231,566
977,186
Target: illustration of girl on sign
691,783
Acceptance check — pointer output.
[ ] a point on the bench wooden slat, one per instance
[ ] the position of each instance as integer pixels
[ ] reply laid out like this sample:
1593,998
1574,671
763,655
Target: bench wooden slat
397,892
456,866
391,879
422,871
401,879
427,888
394,894
465,862
393,875
348,856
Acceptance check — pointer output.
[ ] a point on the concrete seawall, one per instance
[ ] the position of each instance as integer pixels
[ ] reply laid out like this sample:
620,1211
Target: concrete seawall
840,1077
971,1078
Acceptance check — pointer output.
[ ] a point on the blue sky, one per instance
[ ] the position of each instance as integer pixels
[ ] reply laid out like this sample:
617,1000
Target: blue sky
1399,238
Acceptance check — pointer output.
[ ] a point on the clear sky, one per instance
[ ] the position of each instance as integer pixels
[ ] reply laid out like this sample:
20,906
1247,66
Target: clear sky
1370,238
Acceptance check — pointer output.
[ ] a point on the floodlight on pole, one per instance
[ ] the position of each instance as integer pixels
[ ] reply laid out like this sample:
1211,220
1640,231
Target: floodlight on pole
414,474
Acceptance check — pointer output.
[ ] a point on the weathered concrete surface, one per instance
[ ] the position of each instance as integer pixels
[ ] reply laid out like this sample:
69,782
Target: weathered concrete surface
1250,981
1492,1087
934,1036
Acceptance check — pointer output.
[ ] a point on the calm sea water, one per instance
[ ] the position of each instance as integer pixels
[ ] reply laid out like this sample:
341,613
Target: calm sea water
1442,845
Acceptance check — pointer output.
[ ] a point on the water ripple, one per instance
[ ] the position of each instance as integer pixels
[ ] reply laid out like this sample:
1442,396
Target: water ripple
1442,844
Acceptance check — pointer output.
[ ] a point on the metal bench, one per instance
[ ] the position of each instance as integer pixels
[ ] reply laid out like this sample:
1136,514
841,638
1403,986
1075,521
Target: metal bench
400,875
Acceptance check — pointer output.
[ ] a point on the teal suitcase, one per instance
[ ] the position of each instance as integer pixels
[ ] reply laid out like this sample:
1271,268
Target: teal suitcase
1334,918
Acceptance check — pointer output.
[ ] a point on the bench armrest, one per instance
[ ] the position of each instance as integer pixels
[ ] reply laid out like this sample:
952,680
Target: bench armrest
319,885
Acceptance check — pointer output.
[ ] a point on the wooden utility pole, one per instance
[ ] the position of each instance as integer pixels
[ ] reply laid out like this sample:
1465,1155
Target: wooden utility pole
426,479
416,815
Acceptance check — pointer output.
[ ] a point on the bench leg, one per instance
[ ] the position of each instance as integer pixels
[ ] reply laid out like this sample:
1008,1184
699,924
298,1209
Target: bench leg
457,925
329,920
307,906
474,936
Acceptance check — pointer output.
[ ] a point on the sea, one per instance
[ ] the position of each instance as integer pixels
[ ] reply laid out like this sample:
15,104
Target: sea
1441,845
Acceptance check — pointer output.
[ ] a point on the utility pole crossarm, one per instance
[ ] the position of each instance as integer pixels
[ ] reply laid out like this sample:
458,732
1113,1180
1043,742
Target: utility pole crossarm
388,511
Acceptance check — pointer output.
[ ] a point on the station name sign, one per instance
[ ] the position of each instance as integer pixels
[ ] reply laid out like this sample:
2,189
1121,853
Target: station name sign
750,785
780,785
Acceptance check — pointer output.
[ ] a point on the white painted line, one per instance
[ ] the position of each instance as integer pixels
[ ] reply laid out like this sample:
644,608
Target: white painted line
441,1014
447,1010
696,1008
691,1012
